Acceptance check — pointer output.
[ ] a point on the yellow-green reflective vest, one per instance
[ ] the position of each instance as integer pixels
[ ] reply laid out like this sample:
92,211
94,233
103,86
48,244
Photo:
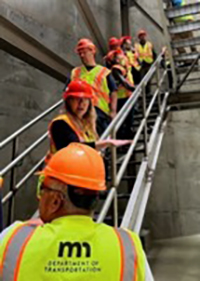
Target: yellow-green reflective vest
145,52
97,79
184,18
71,248
122,92
133,60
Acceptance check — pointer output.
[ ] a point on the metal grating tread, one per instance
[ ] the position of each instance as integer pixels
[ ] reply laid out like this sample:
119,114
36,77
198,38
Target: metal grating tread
186,42
185,57
184,27
191,9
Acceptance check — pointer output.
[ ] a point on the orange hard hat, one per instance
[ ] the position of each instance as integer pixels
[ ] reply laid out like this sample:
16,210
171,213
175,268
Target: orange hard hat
85,43
1,182
78,165
141,32
124,38
113,41
80,89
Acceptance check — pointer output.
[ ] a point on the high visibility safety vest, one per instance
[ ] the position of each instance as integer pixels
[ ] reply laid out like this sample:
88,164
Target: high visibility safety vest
184,18
133,60
96,77
122,92
145,52
71,248
83,136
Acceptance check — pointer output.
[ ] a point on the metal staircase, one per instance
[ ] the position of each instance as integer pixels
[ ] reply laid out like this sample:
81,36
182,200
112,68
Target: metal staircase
183,39
131,169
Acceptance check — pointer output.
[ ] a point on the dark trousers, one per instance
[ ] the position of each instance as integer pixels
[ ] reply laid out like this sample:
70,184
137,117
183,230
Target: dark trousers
170,77
125,132
144,71
136,75
103,121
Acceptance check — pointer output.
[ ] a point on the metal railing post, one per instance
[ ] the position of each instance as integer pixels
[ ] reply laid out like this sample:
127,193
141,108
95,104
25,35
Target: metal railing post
144,109
11,203
114,178
158,85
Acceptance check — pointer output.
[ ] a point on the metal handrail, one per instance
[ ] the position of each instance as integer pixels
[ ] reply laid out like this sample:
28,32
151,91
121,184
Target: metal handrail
117,122
30,124
16,159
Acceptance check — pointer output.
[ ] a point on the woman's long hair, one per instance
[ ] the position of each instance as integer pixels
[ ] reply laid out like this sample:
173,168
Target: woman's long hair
89,119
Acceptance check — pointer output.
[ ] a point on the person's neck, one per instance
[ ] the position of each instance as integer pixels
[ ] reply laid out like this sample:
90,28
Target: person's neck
143,42
90,64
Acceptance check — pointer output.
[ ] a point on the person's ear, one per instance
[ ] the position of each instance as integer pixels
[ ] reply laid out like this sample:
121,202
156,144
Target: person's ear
56,202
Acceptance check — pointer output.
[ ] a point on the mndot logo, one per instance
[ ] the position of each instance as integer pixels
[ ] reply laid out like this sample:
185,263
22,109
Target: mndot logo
75,249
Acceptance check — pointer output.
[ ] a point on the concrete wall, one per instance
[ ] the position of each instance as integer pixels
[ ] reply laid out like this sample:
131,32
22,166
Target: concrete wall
174,206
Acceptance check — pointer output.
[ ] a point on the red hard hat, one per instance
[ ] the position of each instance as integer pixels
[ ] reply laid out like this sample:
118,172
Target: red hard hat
141,32
78,88
78,165
85,43
114,41
124,38
110,56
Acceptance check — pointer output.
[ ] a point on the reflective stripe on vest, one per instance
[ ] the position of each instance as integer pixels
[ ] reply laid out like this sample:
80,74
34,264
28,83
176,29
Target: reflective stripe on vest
14,251
96,77
129,261
145,52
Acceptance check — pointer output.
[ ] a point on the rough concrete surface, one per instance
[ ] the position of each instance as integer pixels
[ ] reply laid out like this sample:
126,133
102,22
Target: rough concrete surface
176,259
174,205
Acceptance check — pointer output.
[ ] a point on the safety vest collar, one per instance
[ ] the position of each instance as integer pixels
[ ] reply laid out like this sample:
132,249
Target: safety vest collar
75,220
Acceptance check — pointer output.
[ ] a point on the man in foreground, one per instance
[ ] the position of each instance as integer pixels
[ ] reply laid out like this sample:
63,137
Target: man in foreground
70,245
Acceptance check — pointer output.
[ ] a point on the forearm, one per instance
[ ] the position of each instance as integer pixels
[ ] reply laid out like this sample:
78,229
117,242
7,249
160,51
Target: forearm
113,102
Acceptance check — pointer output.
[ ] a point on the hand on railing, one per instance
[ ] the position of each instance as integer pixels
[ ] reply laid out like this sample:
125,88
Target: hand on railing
111,142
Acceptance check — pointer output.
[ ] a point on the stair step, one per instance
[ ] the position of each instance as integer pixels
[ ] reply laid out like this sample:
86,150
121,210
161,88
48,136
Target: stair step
191,9
186,43
186,56
140,116
181,70
125,178
123,196
184,27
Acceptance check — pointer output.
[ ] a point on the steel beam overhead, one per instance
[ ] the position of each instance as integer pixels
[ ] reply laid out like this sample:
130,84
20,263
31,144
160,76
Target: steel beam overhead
191,9
189,26
20,44
186,42
146,14
125,21
91,22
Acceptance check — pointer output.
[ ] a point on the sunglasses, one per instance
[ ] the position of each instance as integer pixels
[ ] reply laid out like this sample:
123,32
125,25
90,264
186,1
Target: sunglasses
41,187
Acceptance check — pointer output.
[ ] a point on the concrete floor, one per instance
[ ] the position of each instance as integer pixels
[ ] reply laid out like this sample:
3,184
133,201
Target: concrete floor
176,259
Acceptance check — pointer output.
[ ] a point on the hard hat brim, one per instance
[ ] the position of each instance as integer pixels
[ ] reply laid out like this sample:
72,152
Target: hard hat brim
77,181
79,95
